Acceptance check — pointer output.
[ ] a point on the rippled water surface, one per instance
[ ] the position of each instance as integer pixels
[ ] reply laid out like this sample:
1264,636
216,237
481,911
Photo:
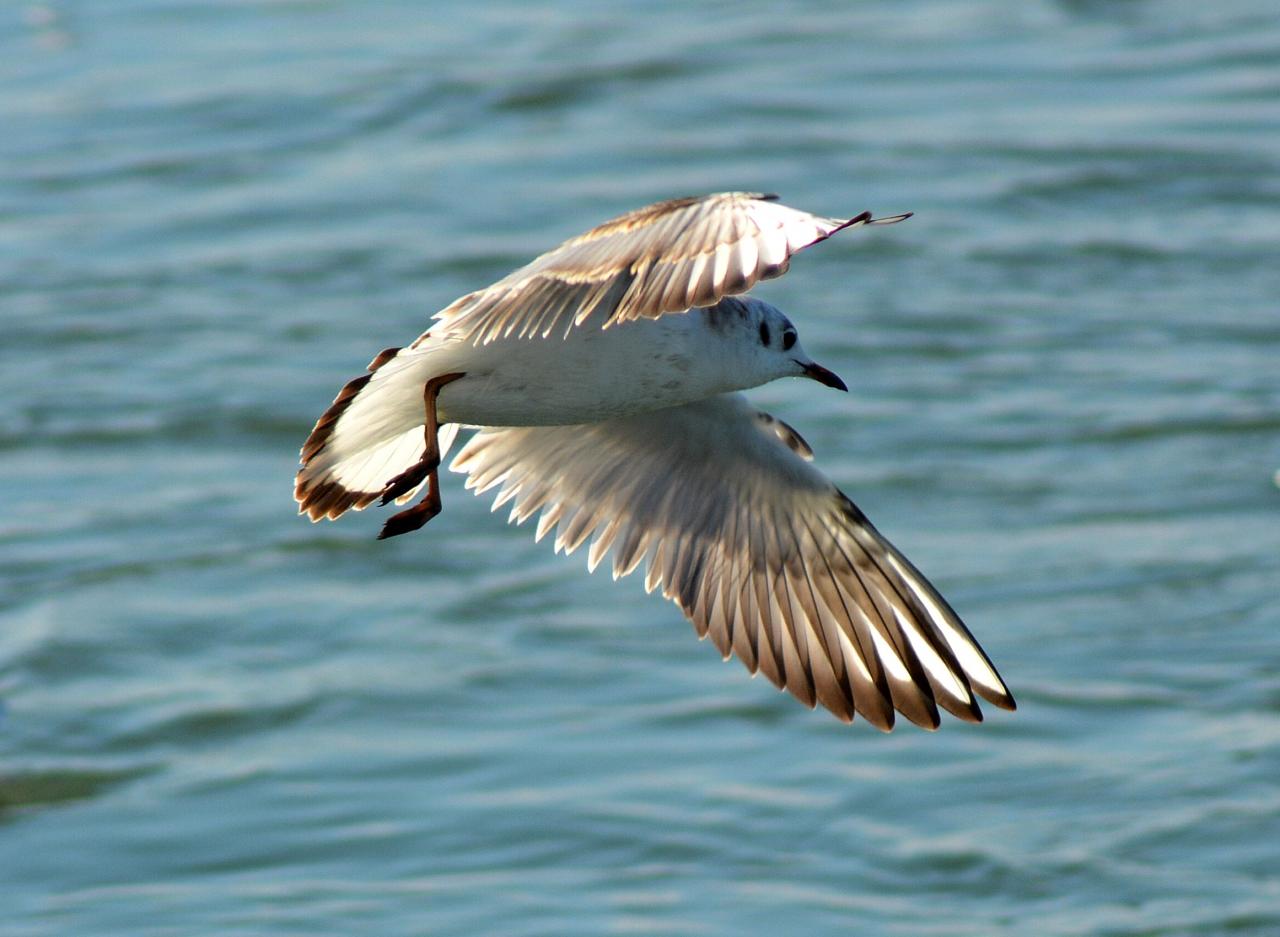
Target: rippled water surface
218,718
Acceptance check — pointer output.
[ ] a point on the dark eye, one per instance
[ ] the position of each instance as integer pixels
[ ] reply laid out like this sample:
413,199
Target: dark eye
764,334
788,339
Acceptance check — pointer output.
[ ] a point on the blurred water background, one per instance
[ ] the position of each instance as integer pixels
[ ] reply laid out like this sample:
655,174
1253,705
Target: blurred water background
216,718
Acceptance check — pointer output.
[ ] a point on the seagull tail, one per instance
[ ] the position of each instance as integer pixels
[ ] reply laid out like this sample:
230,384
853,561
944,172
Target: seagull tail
371,433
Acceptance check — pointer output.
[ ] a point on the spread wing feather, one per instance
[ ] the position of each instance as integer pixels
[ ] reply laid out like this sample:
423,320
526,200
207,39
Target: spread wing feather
765,556
664,258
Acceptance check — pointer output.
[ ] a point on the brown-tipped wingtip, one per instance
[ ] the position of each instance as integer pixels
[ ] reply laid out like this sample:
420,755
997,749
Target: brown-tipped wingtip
863,217
1002,700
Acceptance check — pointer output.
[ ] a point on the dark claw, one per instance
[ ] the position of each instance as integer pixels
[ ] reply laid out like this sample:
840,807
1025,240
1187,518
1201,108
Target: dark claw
407,480
415,518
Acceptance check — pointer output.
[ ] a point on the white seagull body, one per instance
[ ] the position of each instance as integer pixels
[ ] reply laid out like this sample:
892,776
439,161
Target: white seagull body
604,378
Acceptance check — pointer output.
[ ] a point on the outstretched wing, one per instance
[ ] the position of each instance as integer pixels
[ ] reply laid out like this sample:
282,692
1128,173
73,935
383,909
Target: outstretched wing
663,258
761,551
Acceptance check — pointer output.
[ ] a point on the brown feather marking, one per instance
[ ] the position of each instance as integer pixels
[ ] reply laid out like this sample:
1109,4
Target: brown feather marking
324,426
330,499
383,357
323,429
788,435
640,217
427,334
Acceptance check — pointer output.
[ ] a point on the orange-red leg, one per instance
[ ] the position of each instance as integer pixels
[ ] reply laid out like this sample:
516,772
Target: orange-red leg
424,469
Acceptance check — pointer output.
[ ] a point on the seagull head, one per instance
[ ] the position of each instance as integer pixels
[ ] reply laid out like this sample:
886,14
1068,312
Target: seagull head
772,343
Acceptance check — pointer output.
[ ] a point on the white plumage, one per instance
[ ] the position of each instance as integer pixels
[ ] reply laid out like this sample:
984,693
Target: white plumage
604,374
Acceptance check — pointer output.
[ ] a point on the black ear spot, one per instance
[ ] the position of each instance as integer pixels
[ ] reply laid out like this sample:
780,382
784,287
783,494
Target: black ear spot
788,339
764,333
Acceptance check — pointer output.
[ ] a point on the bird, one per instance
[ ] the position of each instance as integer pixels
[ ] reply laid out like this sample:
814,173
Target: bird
604,382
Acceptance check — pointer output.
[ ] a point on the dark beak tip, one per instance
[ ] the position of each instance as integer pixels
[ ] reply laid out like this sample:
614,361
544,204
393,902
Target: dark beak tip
820,374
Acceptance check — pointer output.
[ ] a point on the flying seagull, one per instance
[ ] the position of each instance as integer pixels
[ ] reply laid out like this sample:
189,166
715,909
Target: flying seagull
604,378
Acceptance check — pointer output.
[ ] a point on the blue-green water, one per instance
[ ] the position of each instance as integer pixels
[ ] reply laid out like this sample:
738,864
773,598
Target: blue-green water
216,718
